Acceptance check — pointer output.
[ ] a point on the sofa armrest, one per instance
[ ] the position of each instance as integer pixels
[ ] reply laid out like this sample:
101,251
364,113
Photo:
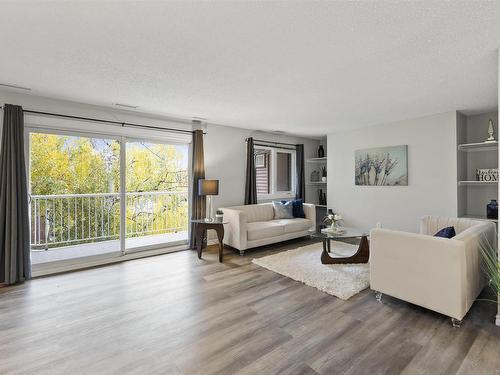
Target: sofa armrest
310,212
425,270
236,230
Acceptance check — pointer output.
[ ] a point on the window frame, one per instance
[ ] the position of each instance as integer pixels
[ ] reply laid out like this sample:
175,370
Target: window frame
275,194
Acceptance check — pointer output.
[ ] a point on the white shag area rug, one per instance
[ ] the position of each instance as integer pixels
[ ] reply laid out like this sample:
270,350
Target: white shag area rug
304,264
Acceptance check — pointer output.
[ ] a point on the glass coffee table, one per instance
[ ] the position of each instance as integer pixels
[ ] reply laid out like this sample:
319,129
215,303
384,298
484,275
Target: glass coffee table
361,256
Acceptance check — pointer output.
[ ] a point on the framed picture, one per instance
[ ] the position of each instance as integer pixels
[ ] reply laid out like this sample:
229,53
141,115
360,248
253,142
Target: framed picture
260,161
382,166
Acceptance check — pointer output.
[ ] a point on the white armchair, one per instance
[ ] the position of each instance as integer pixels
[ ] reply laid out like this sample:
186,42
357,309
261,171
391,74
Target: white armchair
440,274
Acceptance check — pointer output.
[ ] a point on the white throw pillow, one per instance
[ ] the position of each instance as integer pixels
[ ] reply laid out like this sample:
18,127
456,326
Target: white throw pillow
283,210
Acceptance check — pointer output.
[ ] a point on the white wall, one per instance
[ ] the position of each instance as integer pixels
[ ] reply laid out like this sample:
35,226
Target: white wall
224,145
225,158
432,174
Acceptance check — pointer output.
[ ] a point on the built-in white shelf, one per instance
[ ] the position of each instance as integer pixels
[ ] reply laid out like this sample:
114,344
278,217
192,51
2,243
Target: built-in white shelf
316,160
479,217
477,183
481,146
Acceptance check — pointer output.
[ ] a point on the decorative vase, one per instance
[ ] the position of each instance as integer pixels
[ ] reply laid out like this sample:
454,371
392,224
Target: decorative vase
314,176
323,179
492,209
321,152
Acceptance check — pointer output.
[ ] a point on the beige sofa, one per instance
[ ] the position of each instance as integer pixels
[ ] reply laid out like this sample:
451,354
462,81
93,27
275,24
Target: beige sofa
254,225
440,274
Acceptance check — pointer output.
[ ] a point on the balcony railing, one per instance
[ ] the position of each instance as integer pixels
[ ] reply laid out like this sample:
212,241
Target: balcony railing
71,219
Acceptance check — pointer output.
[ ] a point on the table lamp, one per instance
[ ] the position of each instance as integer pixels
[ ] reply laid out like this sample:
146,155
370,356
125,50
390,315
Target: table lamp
208,188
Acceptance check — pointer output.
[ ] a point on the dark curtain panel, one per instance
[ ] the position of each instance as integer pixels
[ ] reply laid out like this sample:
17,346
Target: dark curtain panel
198,203
299,167
15,262
250,179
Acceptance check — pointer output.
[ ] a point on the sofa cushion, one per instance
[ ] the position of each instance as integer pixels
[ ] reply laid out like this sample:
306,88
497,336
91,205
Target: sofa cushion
294,225
264,229
257,212
283,210
448,232
298,207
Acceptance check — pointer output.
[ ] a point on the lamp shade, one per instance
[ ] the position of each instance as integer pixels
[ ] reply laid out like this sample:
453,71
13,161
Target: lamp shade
208,187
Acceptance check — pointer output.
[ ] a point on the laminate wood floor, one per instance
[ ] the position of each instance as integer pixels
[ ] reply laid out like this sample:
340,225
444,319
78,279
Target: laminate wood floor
176,314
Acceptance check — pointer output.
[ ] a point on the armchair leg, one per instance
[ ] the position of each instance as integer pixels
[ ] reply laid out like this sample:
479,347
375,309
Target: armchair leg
456,323
242,252
378,296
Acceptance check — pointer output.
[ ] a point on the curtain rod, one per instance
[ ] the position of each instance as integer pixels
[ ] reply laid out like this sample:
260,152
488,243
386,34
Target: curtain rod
273,146
274,143
123,124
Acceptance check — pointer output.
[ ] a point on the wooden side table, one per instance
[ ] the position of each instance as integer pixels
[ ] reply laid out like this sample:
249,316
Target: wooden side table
201,227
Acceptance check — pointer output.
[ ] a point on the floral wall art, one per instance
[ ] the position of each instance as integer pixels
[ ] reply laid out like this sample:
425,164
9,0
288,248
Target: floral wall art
382,166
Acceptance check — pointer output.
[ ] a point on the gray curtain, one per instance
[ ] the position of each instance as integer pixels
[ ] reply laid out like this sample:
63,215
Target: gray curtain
15,262
299,167
251,178
198,203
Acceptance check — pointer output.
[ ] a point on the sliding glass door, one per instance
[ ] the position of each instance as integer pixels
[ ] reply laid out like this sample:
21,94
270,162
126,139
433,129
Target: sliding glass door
74,201
93,196
156,194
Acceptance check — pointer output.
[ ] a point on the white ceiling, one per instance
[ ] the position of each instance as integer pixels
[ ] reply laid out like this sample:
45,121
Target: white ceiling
307,68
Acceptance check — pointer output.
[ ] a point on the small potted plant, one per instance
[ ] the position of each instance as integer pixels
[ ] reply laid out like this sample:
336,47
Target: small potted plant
323,173
491,266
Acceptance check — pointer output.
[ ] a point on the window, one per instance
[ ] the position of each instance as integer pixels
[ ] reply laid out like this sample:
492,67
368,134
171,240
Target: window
275,168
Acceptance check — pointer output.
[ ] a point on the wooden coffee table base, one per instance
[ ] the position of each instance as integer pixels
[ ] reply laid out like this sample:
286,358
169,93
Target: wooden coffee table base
361,256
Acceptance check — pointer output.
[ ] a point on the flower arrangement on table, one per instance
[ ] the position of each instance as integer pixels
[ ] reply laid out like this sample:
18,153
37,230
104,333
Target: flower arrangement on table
333,220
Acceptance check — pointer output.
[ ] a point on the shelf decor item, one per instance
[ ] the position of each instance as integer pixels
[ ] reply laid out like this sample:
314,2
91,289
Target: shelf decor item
321,152
321,197
488,175
382,166
314,176
323,173
491,138
492,210
219,215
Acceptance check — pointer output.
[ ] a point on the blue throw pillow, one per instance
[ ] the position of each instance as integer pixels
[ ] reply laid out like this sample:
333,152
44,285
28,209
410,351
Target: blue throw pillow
448,232
297,208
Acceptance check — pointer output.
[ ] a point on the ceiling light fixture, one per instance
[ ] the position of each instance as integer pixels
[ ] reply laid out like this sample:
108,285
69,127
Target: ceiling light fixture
15,87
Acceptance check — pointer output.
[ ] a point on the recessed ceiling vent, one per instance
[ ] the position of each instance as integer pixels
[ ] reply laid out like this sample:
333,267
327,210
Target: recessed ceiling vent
15,87
126,106
198,120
